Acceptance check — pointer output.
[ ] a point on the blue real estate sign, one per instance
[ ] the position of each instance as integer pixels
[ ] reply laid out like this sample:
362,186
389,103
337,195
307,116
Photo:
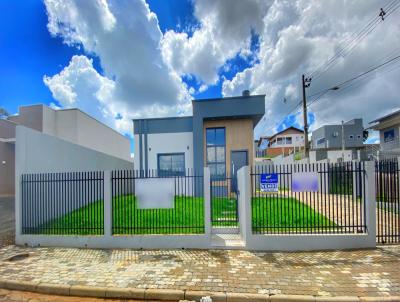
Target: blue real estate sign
269,182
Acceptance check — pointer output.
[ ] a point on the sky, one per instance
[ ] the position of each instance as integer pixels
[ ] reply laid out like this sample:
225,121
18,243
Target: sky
124,59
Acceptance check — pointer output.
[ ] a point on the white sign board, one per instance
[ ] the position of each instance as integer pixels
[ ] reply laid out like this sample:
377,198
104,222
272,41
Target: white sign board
155,193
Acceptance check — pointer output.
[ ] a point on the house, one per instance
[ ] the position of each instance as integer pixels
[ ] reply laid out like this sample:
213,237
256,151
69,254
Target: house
71,125
329,137
389,131
218,135
282,143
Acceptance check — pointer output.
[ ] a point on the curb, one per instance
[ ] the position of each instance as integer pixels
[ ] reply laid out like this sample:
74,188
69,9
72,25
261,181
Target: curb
174,294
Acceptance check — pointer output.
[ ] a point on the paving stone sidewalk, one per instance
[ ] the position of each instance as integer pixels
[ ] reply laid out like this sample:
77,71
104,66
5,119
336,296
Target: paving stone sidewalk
335,273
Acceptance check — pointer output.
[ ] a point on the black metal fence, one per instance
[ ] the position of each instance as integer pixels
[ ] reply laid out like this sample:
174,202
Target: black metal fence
337,206
184,216
387,175
63,203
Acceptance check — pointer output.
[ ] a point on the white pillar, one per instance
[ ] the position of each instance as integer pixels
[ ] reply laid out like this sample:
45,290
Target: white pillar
107,204
370,196
207,201
244,200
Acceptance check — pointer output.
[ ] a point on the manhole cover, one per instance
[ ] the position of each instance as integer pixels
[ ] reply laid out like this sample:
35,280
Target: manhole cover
18,257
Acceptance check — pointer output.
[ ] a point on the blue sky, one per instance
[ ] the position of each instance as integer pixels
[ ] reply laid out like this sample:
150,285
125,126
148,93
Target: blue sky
261,46
28,51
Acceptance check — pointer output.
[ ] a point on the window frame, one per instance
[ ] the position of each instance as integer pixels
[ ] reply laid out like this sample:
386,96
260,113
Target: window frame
214,146
171,173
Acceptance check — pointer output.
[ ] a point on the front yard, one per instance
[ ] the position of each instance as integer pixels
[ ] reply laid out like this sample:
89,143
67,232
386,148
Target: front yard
187,217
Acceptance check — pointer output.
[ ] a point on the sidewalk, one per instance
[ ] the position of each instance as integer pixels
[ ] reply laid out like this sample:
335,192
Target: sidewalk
338,273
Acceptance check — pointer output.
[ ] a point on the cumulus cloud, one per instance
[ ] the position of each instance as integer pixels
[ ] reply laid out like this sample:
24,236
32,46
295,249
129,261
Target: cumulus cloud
125,36
301,35
224,31
142,68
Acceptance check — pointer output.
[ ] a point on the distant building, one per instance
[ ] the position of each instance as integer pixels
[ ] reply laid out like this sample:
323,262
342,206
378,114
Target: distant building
329,137
389,131
282,143
71,125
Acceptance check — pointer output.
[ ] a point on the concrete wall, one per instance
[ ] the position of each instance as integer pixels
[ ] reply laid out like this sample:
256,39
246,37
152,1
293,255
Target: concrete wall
36,152
7,129
29,116
7,162
41,153
170,143
75,126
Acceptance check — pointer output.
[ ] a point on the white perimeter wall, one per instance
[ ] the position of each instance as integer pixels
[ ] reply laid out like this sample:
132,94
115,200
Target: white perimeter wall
181,142
79,128
37,152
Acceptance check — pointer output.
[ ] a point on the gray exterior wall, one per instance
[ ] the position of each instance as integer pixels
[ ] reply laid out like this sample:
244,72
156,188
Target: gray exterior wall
331,141
241,107
219,109
143,127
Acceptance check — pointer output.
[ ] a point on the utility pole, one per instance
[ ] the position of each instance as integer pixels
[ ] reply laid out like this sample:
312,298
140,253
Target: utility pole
305,83
343,140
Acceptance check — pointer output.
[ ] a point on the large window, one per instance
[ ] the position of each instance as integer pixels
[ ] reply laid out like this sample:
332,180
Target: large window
171,164
215,151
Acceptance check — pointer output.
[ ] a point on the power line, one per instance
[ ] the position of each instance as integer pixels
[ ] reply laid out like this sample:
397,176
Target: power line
354,40
338,86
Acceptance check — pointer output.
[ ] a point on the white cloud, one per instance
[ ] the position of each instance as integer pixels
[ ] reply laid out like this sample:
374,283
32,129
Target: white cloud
224,31
142,68
125,36
300,35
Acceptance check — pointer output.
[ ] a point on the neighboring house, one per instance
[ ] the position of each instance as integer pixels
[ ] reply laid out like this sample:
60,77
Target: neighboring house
71,125
283,143
329,137
218,135
389,131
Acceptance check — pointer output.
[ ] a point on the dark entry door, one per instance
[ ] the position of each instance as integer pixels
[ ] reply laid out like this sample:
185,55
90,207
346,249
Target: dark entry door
239,159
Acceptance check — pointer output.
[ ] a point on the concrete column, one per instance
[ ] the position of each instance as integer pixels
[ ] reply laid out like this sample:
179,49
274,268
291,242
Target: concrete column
207,201
370,196
244,200
18,207
107,204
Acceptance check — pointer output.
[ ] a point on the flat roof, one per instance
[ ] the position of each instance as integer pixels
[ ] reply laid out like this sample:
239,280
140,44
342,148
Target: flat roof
229,98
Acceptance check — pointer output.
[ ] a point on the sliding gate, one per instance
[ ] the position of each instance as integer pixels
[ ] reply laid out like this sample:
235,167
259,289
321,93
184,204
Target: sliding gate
387,177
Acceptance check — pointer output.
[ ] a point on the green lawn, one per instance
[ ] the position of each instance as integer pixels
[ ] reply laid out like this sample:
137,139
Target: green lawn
187,217
277,214
224,211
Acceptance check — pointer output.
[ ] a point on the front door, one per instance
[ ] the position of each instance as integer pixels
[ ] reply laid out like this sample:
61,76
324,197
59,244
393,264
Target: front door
239,159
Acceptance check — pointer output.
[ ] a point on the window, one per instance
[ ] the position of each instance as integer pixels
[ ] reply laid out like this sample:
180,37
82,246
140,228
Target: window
351,136
288,141
358,136
279,141
171,164
335,134
321,141
215,151
388,136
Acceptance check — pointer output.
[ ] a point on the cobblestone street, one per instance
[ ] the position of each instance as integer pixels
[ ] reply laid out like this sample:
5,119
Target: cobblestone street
335,273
